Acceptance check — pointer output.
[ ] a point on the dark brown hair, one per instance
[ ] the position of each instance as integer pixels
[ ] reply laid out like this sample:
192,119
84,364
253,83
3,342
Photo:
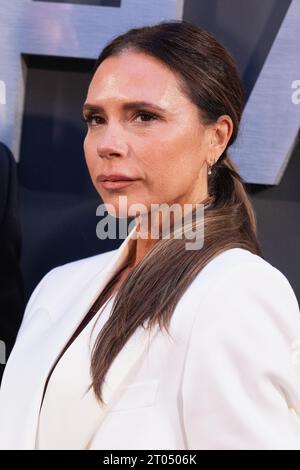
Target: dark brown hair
208,76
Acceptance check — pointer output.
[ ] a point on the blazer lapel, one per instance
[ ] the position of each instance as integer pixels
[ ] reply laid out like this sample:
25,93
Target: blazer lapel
135,347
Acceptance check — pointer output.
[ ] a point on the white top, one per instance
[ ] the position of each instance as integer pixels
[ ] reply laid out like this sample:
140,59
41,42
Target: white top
70,412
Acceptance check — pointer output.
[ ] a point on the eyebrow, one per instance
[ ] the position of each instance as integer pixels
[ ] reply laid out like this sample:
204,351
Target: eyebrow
133,105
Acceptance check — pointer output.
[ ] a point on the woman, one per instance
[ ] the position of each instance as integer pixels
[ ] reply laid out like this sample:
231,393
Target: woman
156,345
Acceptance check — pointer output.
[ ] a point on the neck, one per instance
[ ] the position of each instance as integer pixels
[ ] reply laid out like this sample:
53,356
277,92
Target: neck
152,223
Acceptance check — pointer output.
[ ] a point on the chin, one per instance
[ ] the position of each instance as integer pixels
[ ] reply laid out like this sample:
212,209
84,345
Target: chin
124,206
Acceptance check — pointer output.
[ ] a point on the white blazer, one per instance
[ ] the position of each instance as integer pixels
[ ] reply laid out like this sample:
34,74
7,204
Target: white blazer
229,378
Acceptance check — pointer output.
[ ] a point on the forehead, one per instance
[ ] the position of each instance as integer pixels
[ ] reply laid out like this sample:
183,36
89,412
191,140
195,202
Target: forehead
134,75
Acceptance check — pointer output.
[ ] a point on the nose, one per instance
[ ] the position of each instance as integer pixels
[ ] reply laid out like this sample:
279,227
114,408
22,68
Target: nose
109,145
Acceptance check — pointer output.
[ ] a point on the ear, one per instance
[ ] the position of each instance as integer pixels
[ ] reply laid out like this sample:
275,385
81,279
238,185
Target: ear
220,134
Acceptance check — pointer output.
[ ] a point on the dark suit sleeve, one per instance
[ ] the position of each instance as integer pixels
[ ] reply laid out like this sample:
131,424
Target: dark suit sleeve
12,299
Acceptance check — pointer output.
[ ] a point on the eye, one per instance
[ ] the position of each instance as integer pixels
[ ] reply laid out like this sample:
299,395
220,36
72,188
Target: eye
149,116
92,119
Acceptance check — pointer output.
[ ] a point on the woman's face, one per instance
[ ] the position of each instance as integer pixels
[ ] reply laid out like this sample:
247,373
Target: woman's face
162,145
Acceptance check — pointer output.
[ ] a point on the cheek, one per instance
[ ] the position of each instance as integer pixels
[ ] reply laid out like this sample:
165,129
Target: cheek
174,163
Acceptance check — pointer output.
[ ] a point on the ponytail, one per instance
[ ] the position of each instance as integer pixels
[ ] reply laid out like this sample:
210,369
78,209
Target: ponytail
228,189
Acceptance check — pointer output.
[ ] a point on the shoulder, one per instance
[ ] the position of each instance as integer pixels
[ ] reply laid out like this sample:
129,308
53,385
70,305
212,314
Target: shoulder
5,157
240,296
79,268
70,274
237,270
247,298
6,163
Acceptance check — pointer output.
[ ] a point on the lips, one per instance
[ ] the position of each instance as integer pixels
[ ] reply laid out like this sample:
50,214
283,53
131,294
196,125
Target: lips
115,181
115,177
